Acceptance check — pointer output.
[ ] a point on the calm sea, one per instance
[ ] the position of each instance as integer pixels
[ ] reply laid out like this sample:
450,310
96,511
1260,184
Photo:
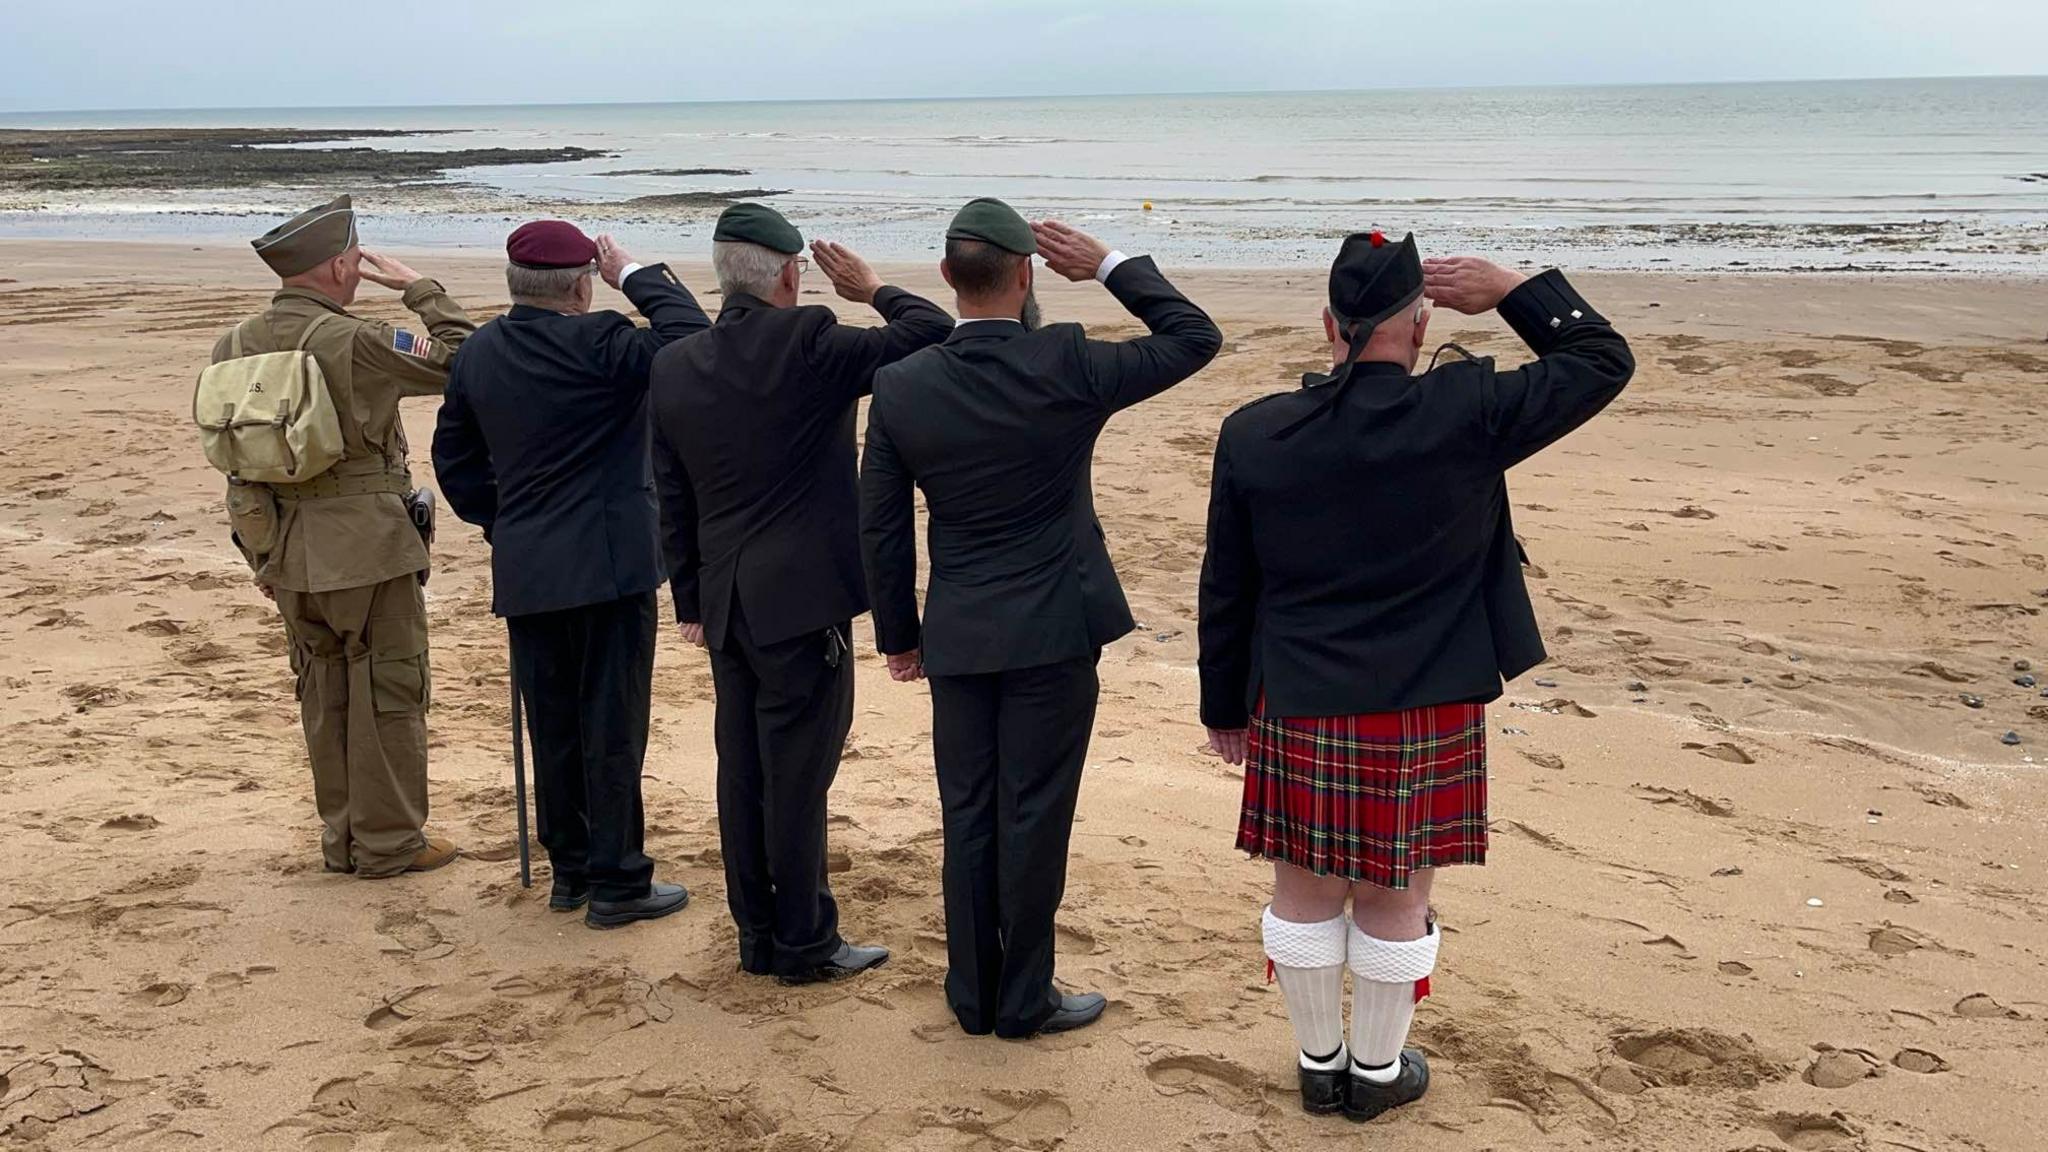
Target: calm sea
1916,174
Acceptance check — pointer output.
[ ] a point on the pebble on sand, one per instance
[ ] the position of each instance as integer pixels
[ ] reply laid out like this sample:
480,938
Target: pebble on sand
2023,665
2024,680
2010,739
1970,701
1816,902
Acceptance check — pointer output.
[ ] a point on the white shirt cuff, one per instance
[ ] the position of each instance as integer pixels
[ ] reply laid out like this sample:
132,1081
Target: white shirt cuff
627,272
1109,264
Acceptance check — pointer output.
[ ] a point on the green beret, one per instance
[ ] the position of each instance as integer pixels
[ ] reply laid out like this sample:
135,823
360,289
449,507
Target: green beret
309,239
993,222
759,224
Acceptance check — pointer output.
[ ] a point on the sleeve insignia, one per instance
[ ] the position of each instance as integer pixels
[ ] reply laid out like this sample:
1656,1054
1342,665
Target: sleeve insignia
411,345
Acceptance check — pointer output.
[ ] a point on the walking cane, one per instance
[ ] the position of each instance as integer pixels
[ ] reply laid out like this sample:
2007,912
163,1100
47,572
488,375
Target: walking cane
519,761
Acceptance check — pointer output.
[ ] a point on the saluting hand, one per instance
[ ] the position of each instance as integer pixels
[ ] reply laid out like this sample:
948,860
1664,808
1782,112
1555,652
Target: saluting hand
387,270
905,667
1467,284
611,259
850,275
1228,743
1069,251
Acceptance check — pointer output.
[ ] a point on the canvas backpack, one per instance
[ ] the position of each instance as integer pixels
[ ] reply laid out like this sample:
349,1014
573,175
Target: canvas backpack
267,418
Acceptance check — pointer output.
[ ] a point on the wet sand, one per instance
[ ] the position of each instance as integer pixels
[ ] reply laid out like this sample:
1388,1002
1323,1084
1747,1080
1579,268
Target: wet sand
1769,574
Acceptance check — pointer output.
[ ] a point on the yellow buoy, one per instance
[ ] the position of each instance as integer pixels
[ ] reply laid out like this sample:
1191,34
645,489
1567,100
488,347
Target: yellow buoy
1148,205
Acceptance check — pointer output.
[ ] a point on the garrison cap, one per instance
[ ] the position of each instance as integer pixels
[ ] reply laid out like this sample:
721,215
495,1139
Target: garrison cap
310,238
759,224
993,222
550,244
1372,279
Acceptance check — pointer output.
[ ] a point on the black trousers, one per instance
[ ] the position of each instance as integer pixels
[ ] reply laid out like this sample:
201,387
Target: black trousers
1009,747
783,713
587,674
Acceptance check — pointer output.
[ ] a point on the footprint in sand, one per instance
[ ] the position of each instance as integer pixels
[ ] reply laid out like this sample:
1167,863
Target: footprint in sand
1735,968
1812,1132
1722,750
133,822
1687,1056
1892,940
1875,869
1226,1083
1685,798
1043,1120
336,1097
410,932
1550,760
162,994
396,1009
1919,1060
1825,384
1979,1006
1836,1068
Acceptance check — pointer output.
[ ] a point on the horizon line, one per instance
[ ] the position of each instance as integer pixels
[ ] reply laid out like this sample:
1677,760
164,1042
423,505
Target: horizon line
603,103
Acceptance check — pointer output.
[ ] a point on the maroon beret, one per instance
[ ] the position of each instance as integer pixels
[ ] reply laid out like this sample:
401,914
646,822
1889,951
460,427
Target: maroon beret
550,244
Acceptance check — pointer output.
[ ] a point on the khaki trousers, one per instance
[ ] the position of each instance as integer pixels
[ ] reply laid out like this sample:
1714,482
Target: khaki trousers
361,659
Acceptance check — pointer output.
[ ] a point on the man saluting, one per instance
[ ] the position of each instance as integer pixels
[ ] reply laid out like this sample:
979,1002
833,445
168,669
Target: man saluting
755,455
1361,600
997,426
542,442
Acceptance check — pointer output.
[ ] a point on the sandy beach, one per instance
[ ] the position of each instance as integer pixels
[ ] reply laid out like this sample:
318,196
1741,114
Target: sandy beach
1761,877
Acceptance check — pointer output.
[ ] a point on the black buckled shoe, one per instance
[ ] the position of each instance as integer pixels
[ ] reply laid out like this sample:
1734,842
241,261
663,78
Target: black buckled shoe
568,895
850,960
661,900
1366,1100
1322,1089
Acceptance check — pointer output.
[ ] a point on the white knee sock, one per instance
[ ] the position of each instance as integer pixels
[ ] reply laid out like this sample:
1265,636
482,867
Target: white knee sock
1384,989
1308,962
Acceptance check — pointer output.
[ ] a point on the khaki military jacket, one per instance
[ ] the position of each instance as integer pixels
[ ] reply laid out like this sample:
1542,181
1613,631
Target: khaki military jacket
328,542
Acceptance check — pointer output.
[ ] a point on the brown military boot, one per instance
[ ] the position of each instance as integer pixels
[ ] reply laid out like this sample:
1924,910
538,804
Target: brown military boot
434,855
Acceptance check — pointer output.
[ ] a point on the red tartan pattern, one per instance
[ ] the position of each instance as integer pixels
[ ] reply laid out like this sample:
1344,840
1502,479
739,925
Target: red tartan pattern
1371,797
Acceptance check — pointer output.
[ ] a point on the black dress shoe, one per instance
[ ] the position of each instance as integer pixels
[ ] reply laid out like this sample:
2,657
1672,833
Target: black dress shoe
850,960
569,895
1322,1091
1366,1099
661,899
1075,1012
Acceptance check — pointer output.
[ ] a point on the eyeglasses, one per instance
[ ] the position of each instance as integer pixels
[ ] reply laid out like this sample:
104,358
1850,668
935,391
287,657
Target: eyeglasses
803,264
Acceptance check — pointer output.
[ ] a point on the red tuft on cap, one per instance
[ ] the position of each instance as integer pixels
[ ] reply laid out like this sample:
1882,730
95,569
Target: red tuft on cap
1378,238
550,244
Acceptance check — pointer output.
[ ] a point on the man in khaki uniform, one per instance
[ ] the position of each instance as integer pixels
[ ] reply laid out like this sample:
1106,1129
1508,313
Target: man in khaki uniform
345,562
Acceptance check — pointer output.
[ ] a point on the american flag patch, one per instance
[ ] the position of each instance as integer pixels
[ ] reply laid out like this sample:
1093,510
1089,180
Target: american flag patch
411,345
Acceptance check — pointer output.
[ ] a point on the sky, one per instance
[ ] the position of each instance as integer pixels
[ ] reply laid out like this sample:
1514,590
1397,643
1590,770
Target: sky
64,55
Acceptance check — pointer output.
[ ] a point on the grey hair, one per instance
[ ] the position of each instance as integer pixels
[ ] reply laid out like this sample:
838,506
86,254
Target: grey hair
746,269
543,287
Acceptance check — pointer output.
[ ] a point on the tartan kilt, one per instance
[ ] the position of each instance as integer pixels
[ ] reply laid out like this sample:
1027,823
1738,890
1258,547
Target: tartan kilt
1371,797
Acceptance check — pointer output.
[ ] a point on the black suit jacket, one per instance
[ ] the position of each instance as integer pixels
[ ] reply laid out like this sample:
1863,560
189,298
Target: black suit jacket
997,426
1367,563
542,441
754,455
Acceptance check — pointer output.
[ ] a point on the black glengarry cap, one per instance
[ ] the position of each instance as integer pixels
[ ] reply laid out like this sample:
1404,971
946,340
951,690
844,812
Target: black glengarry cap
1372,279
